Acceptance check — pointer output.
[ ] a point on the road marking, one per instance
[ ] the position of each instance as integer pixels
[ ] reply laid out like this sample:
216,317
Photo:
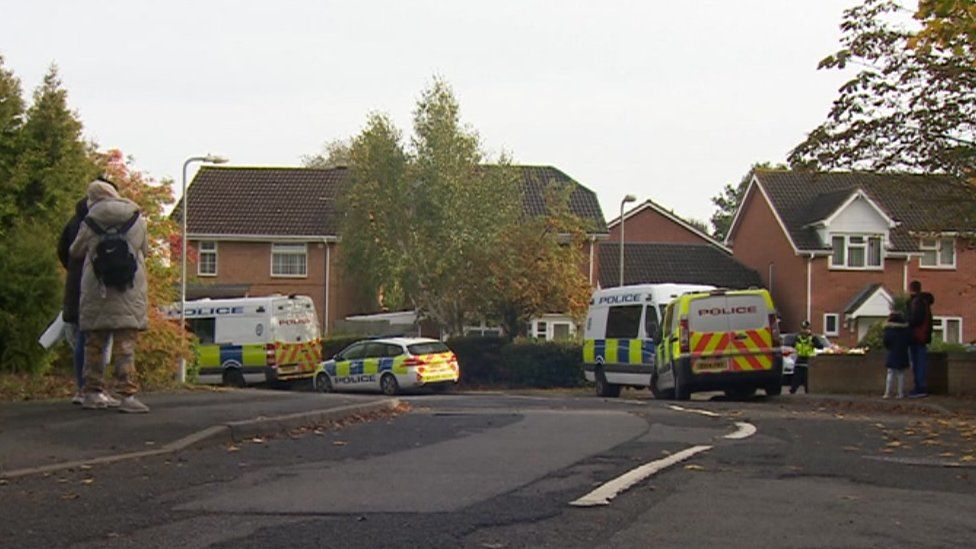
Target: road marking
745,430
694,411
610,490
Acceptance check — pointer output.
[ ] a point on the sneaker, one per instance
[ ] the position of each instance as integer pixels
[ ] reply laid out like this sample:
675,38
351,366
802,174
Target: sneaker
131,405
110,400
78,399
885,396
93,401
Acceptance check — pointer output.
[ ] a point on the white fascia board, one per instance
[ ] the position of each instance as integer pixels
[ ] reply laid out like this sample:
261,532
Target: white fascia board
871,307
756,184
261,237
857,195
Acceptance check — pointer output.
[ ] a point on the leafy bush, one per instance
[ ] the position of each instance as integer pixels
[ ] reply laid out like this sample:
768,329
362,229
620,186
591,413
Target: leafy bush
494,361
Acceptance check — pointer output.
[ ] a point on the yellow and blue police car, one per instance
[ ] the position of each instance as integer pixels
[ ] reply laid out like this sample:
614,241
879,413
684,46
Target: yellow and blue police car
389,365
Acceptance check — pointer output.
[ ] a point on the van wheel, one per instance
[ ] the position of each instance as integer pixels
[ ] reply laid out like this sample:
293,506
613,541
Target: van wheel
322,383
389,385
233,377
605,389
774,389
681,391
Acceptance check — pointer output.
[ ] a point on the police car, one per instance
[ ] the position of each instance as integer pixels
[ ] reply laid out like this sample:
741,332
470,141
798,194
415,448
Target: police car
389,365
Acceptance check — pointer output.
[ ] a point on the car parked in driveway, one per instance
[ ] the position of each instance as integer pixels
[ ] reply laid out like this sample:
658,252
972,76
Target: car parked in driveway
789,353
389,365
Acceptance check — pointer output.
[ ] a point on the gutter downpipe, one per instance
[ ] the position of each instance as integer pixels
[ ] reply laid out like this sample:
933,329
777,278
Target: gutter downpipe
809,287
328,265
771,271
592,240
904,275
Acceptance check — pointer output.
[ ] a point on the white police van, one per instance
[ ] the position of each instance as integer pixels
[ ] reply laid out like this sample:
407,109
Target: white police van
254,339
621,331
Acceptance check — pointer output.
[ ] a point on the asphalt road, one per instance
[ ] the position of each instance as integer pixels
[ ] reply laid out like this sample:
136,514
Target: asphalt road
497,471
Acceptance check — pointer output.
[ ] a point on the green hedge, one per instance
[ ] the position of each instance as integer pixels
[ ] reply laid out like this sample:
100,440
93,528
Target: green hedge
494,361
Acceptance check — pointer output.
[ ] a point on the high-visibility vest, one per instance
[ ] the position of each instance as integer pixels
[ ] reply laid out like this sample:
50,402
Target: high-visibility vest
804,345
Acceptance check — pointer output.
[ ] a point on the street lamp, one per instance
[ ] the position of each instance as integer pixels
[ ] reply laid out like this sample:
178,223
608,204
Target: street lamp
209,159
628,198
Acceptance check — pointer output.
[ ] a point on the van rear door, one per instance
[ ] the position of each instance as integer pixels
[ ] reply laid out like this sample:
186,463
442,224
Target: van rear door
730,333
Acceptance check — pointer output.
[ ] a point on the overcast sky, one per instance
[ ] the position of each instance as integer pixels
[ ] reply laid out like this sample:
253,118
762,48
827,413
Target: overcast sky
666,100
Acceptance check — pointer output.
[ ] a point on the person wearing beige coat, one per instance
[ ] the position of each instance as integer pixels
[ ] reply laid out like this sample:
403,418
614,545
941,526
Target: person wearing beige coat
109,313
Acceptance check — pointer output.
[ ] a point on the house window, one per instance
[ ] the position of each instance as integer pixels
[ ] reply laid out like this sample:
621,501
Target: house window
560,331
207,264
289,260
947,329
856,251
831,322
623,322
540,330
937,253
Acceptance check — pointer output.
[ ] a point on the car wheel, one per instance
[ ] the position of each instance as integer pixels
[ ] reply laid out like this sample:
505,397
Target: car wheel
389,385
233,377
322,383
681,391
604,388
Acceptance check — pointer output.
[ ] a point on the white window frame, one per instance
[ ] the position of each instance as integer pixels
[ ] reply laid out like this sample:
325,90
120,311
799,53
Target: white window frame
865,245
936,246
289,248
200,253
940,323
826,320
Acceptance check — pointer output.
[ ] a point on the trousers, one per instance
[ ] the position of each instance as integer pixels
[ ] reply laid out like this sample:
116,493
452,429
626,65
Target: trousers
123,344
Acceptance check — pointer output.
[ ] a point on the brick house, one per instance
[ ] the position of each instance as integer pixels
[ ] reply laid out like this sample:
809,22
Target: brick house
260,231
661,247
837,247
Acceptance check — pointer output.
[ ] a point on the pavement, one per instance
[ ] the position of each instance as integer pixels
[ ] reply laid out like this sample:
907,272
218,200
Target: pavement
43,437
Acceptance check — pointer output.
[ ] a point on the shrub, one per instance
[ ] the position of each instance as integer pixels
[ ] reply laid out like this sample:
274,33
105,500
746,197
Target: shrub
494,361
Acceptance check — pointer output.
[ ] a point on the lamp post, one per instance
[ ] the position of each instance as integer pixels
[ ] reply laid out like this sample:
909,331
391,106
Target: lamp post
628,198
209,159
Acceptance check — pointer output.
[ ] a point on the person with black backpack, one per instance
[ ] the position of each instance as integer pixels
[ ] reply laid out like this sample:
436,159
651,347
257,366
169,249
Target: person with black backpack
113,241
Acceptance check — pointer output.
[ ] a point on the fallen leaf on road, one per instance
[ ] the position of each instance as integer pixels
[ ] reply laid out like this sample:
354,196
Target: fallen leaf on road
3,482
879,425
968,458
69,496
693,467
893,444
257,440
888,451
88,481
233,448
339,443
851,449
150,443
85,467
946,455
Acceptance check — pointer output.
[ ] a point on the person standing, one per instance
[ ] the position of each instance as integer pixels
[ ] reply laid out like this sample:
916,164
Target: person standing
920,323
69,307
897,338
806,346
113,242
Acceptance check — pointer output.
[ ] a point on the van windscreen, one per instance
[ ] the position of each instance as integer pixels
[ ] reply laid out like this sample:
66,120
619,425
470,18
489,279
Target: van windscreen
728,313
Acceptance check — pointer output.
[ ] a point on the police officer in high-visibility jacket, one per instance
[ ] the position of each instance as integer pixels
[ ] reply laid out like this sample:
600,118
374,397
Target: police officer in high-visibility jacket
806,346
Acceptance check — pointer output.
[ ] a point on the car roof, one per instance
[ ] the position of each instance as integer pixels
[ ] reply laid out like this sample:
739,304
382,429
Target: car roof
404,340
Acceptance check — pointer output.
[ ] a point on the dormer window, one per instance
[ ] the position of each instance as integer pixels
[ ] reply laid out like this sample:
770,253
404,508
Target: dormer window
857,251
937,253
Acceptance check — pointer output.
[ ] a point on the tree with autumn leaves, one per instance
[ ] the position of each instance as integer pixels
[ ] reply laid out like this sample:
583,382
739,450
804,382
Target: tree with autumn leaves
45,167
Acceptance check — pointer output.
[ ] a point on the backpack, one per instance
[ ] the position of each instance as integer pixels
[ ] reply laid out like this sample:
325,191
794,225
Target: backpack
114,264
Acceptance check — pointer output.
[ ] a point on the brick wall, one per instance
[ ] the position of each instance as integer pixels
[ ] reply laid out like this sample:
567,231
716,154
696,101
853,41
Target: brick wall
954,290
649,226
833,290
760,243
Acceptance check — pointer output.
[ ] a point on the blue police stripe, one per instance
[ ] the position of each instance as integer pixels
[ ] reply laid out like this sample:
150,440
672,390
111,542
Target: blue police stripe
647,351
330,368
623,351
231,352
386,365
356,368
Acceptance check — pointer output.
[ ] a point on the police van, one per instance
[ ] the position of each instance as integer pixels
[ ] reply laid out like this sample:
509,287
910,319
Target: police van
254,339
725,340
621,334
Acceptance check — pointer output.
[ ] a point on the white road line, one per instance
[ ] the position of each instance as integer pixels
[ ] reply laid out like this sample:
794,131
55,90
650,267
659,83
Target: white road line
745,430
610,490
694,411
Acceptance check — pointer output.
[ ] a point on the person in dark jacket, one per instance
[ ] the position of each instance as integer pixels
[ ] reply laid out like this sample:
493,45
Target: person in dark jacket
920,322
72,294
897,339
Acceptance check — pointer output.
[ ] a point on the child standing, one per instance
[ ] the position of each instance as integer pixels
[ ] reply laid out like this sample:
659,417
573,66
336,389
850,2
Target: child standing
897,338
